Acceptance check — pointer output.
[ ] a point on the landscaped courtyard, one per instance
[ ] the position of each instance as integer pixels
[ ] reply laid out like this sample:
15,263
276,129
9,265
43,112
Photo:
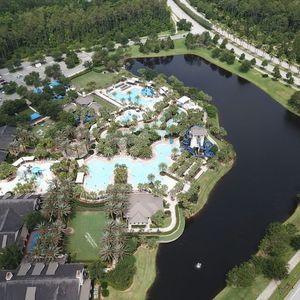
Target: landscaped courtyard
83,243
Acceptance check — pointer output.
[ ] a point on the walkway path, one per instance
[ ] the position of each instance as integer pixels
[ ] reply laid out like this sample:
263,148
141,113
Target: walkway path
270,289
238,45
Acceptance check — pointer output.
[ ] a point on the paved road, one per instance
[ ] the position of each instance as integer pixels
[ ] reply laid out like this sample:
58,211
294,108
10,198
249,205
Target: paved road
198,29
294,294
270,289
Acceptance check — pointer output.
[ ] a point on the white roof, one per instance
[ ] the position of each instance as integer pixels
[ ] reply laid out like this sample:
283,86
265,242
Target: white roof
23,159
38,65
164,88
183,100
80,177
80,162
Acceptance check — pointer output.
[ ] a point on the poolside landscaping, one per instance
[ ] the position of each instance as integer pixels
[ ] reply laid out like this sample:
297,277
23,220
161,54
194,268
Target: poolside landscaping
84,241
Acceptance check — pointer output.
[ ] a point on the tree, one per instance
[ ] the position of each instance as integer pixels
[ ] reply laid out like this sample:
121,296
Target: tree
274,268
245,66
223,44
10,257
57,55
33,219
158,218
71,59
163,167
295,242
253,61
216,38
294,101
151,177
264,63
183,24
7,170
242,57
10,88
241,276
276,73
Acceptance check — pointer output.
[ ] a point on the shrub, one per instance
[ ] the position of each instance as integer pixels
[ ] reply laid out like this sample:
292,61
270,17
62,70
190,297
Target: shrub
122,276
245,66
33,219
104,285
7,170
105,292
10,257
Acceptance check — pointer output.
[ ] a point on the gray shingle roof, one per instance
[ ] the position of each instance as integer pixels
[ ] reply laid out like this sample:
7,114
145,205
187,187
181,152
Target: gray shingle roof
84,100
7,136
12,213
142,206
198,131
71,107
63,285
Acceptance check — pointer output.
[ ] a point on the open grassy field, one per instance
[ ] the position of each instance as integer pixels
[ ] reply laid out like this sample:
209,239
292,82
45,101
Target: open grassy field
144,277
260,283
101,80
278,91
109,106
88,227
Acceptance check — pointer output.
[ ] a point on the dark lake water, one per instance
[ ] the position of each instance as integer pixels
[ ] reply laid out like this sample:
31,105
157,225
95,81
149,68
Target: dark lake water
260,188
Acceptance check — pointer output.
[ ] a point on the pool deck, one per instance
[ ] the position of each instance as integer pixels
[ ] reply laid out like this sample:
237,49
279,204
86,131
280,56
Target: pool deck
166,180
42,183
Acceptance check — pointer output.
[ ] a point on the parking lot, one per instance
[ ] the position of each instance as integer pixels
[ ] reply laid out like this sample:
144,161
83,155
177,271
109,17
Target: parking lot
27,68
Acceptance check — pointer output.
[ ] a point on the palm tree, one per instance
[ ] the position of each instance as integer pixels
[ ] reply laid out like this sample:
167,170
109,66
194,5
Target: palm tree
162,167
151,177
109,207
14,148
118,251
174,152
63,209
106,253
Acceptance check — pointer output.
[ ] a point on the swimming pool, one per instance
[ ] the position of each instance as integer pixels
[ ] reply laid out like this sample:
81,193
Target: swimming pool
134,95
32,242
101,169
42,180
128,116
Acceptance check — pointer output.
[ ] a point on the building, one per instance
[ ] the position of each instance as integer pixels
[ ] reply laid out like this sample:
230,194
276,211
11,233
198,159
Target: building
164,90
198,135
186,103
84,100
7,136
71,107
95,107
41,281
142,206
13,209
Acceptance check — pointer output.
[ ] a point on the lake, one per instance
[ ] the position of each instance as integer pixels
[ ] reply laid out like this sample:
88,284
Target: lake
260,188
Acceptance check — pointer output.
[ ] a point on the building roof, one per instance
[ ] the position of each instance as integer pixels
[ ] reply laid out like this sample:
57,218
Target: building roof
198,131
71,107
7,136
64,282
183,100
13,209
84,100
142,206
95,106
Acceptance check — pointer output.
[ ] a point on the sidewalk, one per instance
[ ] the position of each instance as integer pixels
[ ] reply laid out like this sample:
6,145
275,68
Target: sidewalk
270,289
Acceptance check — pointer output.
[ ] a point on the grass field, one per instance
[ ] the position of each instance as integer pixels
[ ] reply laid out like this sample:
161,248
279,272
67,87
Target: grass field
102,80
88,225
144,277
260,283
110,107
278,91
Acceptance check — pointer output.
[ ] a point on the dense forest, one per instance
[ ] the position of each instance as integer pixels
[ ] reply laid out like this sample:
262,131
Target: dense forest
273,25
46,26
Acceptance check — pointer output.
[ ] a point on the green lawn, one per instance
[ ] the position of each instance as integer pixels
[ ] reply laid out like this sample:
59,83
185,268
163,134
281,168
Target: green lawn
88,225
144,277
260,283
102,80
278,91
110,107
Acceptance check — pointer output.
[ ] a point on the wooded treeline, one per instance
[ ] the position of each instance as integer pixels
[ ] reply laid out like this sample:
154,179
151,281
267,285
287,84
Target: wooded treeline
273,25
52,26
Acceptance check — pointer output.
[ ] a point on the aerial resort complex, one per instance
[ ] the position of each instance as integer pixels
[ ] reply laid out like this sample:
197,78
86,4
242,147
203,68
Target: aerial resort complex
114,158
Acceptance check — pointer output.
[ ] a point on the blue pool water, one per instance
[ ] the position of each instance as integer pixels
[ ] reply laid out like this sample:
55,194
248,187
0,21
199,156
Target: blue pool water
135,97
101,171
127,116
34,237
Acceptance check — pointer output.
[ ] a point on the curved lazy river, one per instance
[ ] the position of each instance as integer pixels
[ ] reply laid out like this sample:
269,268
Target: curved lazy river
259,189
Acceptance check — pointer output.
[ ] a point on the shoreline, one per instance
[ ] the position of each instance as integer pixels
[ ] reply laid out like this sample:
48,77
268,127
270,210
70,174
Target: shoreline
275,89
